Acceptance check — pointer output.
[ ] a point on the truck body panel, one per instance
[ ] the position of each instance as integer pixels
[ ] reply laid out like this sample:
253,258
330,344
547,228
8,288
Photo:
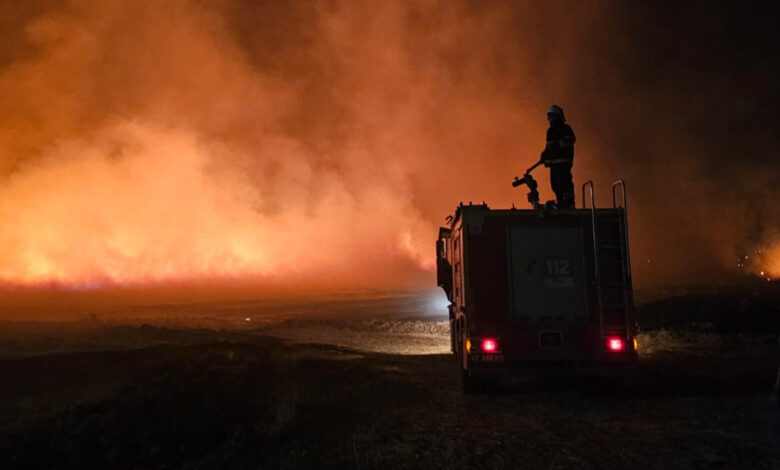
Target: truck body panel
552,289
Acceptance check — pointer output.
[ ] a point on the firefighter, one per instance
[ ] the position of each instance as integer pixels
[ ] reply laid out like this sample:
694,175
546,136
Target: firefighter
558,156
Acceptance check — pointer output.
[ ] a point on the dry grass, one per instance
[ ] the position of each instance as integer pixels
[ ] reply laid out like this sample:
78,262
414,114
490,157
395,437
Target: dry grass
674,341
252,402
701,343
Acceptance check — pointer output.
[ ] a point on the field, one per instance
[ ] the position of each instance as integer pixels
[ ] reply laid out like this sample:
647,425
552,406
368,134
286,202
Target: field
356,384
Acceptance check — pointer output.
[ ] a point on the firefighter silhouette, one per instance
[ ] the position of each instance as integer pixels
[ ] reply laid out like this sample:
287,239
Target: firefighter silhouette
558,156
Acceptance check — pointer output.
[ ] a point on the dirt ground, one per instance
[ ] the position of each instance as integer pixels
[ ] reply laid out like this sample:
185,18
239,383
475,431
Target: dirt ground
85,395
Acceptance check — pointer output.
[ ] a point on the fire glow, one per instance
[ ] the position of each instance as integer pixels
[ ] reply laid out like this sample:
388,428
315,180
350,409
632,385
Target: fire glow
297,143
157,214
770,262
136,150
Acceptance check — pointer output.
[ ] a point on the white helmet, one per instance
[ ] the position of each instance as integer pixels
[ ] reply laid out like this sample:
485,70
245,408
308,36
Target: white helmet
555,109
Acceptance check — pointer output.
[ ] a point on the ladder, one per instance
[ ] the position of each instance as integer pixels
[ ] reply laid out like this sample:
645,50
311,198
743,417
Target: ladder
611,258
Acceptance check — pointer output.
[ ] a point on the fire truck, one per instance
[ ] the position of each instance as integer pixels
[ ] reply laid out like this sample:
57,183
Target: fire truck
538,290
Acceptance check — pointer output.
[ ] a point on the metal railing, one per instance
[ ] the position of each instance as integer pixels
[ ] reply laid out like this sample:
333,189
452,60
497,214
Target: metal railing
589,184
624,219
624,246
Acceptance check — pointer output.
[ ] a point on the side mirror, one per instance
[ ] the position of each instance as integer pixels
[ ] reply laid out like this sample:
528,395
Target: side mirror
443,269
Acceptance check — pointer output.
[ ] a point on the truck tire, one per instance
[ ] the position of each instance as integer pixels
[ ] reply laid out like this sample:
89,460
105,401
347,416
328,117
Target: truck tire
468,384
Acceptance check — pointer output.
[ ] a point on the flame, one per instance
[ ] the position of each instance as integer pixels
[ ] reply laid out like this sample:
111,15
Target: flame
139,150
770,261
158,209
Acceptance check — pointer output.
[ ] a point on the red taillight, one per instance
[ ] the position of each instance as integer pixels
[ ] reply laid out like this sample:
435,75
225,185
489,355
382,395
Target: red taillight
489,345
615,344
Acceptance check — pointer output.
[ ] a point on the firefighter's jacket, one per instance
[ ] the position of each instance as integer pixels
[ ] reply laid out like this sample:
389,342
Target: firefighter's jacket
560,146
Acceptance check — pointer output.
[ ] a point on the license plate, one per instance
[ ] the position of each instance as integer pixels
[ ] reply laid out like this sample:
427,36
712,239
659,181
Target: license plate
550,339
498,357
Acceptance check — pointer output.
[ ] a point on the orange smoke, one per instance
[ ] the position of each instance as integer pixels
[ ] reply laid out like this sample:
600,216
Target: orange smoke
139,150
309,143
139,204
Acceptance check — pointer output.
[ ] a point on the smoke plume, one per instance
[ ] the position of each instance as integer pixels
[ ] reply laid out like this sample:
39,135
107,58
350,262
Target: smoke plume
319,144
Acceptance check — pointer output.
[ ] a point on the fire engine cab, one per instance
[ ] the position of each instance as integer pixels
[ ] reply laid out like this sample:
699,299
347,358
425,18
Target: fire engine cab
538,289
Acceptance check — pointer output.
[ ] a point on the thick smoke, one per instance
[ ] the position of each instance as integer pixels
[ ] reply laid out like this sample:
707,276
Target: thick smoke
318,144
